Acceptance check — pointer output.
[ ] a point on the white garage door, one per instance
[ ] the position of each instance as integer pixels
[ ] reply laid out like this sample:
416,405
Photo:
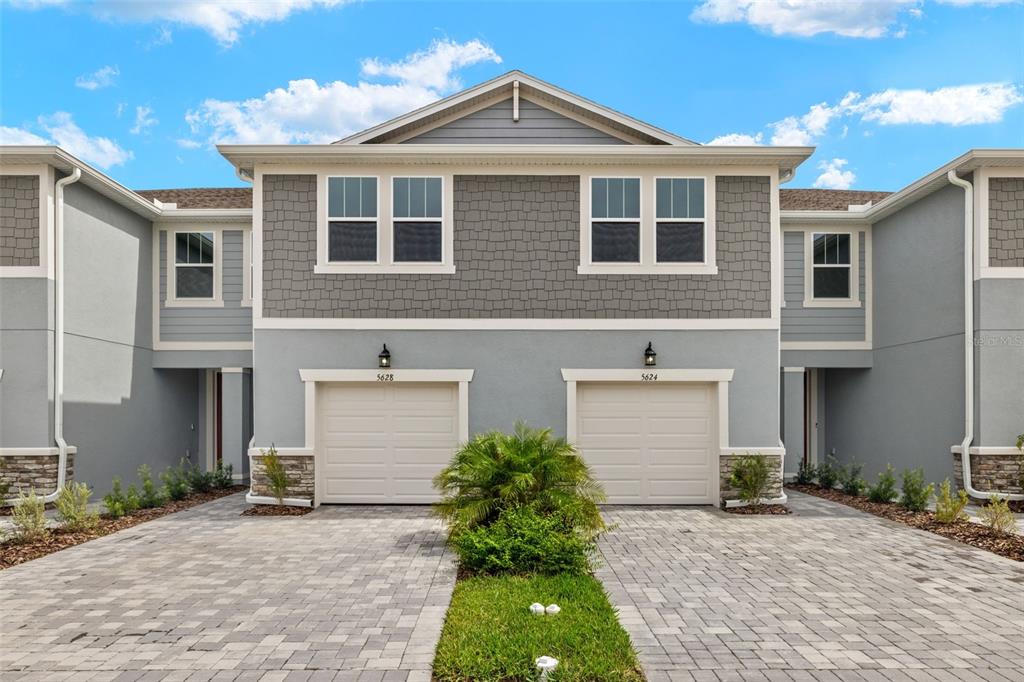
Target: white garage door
649,443
383,443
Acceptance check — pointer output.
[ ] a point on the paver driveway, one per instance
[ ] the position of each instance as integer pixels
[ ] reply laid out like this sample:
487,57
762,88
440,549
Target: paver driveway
344,593
827,593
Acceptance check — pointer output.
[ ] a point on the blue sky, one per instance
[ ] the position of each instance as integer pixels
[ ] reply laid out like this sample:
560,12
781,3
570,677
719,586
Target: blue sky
886,89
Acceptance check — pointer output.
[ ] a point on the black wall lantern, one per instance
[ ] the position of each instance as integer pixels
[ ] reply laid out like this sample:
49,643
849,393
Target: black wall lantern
384,357
650,357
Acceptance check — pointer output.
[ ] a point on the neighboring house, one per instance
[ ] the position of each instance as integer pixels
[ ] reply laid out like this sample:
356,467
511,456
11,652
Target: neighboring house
523,254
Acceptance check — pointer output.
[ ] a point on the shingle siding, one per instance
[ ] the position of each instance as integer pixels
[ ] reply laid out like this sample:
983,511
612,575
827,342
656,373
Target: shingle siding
19,220
1006,222
516,254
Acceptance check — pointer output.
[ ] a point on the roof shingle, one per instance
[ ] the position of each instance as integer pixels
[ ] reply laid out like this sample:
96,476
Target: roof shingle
826,199
202,197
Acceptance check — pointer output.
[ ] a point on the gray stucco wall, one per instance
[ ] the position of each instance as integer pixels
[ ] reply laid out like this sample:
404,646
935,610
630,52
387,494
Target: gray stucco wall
1006,222
908,408
119,411
516,256
518,373
817,324
19,220
26,347
231,322
494,125
999,361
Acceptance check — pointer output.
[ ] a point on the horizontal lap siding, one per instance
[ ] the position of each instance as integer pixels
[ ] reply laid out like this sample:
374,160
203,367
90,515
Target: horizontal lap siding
494,125
233,322
816,324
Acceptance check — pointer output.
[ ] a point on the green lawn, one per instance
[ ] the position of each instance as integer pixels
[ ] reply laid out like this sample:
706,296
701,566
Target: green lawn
490,635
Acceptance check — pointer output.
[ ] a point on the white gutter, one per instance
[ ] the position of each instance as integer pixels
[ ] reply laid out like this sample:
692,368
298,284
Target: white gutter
965,446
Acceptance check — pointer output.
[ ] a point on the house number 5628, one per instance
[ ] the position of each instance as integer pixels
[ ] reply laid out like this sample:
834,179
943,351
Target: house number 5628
385,377
648,377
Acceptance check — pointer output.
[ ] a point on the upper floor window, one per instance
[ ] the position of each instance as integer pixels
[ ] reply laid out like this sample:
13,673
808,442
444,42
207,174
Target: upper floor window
679,220
832,267
352,220
615,220
194,265
417,215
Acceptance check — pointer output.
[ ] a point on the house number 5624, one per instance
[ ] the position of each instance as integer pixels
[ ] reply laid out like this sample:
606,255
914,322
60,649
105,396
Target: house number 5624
648,377
385,377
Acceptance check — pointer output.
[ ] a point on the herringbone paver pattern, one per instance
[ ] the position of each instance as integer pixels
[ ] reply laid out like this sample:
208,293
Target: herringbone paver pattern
344,593
825,594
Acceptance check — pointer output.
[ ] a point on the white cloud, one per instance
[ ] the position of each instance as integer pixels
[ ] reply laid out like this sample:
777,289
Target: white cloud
143,120
223,19
62,131
833,176
849,18
308,112
738,140
101,78
186,143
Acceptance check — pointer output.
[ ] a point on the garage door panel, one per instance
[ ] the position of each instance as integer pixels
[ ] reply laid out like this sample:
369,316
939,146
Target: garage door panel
678,426
426,394
349,425
601,425
423,424
609,393
353,454
679,457
671,489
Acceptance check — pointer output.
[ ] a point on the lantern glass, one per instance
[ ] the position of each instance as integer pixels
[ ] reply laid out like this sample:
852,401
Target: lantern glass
384,357
650,356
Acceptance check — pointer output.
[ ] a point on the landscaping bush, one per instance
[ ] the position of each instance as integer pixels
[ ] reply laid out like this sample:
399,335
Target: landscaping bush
5,487
916,494
277,477
750,477
806,474
29,518
497,471
828,473
118,502
151,496
73,508
997,515
522,540
223,476
176,481
198,480
950,509
850,479
885,490
1020,460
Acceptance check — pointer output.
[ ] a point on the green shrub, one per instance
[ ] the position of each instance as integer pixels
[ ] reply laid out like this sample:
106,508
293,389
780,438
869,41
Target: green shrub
151,496
828,473
807,473
5,487
223,476
997,515
916,494
497,471
30,518
176,481
750,477
114,501
522,540
73,508
277,478
1020,460
950,509
850,479
885,490
198,480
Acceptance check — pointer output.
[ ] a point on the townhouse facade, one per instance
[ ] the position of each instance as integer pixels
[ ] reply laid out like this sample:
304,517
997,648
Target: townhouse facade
511,253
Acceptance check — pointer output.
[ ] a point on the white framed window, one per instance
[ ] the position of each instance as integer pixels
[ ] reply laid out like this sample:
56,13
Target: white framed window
382,223
194,272
831,272
647,225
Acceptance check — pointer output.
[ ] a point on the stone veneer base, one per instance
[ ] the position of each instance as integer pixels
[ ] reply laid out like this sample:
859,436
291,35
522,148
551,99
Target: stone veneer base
25,473
725,464
301,472
992,473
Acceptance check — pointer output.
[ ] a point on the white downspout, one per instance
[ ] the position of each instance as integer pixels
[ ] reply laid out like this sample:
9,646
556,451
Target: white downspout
965,446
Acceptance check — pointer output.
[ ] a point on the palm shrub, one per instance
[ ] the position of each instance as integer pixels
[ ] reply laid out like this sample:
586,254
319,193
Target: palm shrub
850,479
916,494
151,496
30,518
72,505
997,515
277,478
885,490
750,477
828,473
950,509
806,473
528,467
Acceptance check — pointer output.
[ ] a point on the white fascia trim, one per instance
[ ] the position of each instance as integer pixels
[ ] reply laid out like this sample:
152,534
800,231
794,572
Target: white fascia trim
288,501
774,451
240,216
794,370
644,375
987,450
826,345
34,452
526,324
989,272
390,375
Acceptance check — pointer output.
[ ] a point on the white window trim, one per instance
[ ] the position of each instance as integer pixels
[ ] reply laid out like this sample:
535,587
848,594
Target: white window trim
46,177
171,299
385,231
983,269
585,256
707,221
853,301
648,264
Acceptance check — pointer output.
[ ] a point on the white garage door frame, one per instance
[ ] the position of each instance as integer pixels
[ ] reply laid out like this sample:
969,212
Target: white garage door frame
719,378
313,378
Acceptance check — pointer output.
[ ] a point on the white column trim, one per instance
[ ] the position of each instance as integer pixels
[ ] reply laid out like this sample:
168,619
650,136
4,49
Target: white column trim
389,375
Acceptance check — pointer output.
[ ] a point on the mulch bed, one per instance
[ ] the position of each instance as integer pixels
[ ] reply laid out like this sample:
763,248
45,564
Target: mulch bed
276,510
13,553
1009,545
760,510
